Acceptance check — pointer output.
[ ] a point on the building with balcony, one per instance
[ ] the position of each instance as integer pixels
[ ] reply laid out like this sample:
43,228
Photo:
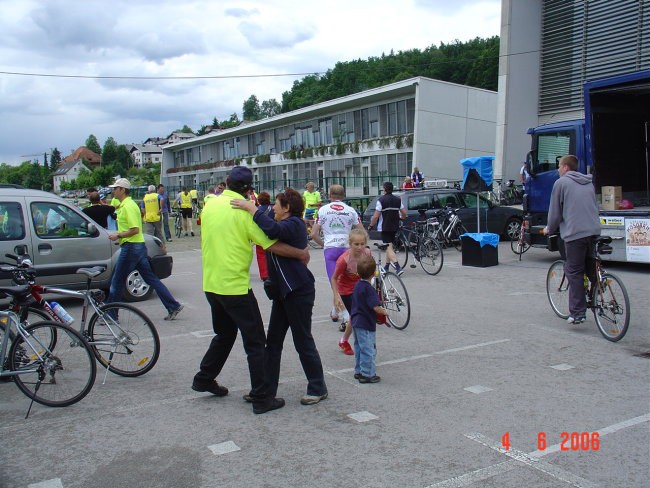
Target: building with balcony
359,140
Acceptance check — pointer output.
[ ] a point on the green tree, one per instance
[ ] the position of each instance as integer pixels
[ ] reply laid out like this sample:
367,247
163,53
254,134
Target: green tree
55,159
93,145
251,109
185,129
270,108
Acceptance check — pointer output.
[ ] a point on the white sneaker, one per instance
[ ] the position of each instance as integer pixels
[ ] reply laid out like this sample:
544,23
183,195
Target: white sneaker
576,320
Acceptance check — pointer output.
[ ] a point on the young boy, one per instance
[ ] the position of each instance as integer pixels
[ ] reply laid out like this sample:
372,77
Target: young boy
365,307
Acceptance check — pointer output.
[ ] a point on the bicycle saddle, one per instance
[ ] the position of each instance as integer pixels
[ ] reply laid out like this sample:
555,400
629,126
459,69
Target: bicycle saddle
14,290
383,247
92,272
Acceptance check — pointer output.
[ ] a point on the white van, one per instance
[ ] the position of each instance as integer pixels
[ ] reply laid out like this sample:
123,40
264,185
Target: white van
60,239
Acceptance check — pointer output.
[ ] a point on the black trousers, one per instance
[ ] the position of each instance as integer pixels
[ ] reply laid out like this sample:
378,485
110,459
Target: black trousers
294,312
229,314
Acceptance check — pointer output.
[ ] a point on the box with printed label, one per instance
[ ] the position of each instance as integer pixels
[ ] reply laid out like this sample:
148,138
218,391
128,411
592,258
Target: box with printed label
611,197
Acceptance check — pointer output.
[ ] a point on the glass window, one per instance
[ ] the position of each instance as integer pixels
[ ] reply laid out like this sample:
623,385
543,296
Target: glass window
550,148
56,221
470,200
417,202
12,225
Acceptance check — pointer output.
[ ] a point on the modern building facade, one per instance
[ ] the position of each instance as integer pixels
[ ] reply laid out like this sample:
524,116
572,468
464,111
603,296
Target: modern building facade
549,48
358,140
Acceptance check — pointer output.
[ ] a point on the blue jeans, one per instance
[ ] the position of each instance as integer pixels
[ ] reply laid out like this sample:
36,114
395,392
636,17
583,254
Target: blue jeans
365,351
165,225
133,256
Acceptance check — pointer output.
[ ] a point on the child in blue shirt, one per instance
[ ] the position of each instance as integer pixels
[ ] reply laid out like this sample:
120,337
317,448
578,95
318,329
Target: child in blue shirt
365,307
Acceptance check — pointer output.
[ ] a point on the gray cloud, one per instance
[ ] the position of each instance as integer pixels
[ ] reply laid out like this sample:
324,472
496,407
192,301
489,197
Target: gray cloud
265,36
241,12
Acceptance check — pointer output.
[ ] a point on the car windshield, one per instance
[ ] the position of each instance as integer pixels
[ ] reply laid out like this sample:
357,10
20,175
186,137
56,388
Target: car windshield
470,200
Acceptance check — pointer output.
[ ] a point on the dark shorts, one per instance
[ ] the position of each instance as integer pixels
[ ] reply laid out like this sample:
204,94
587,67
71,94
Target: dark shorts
388,236
186,213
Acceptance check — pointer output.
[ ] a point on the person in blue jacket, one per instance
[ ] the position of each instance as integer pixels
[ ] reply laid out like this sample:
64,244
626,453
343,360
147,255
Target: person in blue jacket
291,287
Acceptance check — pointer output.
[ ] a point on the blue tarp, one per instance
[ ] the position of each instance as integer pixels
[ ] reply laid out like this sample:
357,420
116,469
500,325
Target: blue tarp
482,165
484,238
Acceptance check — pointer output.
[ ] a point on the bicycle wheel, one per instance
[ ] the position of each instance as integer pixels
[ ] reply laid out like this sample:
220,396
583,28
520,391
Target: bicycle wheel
178,226
58,376
455,236
519,246
431,257
124,339
557,289
401,250
3,327
612,308
396,301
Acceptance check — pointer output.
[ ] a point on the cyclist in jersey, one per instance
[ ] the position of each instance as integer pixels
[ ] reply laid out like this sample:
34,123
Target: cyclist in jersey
312,200
194,195
388,211
185,202
336,219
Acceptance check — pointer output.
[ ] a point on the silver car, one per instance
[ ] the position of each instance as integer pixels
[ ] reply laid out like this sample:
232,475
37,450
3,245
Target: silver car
61,239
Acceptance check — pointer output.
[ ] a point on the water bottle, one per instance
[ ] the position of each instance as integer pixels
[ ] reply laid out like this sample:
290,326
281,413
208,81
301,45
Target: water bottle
61,313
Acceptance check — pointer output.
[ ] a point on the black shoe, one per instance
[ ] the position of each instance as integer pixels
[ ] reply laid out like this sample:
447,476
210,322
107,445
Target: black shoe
357,376
369,379
268,405
192,234
214,388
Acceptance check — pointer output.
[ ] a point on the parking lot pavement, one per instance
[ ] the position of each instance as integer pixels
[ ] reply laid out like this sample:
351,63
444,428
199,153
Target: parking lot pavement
484,362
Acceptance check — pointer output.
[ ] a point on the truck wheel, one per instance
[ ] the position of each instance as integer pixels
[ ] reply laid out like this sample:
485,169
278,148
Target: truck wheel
512,229
136,289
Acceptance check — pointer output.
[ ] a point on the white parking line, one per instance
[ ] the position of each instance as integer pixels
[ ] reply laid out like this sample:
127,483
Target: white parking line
53,483
224,448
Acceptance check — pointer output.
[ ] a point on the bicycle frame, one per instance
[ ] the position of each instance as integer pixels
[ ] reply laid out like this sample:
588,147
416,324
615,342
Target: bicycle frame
13,319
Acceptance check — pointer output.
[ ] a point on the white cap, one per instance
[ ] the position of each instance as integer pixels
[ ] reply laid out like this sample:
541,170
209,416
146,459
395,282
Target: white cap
122,183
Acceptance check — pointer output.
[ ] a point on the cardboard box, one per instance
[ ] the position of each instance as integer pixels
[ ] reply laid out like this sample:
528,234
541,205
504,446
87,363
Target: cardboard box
611,197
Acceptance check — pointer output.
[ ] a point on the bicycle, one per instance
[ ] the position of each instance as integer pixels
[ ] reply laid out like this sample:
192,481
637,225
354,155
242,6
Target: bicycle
55,373
393,294
511,195
605,293
121,337
450,228
178,222
419,240
312,243
522,244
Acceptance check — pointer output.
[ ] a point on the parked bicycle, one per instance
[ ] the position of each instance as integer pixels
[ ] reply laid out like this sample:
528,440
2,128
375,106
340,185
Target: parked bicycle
178,222
122,338
418,239
56,373
605,293
522,243
450,228
512,194
393,294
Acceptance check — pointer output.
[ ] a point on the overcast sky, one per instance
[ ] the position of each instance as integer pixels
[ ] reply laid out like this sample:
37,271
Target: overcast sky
120,38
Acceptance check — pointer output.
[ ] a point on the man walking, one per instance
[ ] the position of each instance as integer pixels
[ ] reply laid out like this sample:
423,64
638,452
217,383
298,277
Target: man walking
388,211
151,209
166,208
336,219
574,210
227,254
133,252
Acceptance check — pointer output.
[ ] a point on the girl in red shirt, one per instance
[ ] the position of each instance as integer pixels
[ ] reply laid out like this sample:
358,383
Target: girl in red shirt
343,280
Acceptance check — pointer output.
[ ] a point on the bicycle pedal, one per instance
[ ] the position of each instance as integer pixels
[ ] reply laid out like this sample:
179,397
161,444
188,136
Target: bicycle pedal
413,266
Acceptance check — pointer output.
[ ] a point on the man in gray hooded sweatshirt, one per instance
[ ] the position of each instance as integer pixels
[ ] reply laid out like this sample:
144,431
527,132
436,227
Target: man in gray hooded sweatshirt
574,210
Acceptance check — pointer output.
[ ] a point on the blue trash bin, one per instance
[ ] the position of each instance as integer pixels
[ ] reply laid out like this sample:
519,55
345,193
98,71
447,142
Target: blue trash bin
480,249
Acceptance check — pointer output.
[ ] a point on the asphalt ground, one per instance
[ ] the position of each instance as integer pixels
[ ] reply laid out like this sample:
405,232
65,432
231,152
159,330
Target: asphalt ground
483,356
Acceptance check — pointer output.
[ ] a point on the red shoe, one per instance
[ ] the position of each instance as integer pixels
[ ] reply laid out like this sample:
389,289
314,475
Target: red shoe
346,348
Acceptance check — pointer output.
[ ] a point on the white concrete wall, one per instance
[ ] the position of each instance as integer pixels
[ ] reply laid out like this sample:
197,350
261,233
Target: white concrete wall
519,73
452,123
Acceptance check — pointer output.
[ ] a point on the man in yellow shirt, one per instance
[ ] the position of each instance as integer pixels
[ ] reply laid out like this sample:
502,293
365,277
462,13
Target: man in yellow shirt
226,238
133,252
185,202
312,199
194,195
151,208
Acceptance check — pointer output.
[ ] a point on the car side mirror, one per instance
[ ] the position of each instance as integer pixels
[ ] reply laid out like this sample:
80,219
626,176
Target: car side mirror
93,231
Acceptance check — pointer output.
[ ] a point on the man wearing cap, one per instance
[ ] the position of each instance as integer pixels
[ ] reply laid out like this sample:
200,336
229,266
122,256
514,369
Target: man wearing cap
133,252
151,208
226,237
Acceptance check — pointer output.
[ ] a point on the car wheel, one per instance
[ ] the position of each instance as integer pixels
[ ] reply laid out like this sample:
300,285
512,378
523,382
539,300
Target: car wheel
512,229
136,289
